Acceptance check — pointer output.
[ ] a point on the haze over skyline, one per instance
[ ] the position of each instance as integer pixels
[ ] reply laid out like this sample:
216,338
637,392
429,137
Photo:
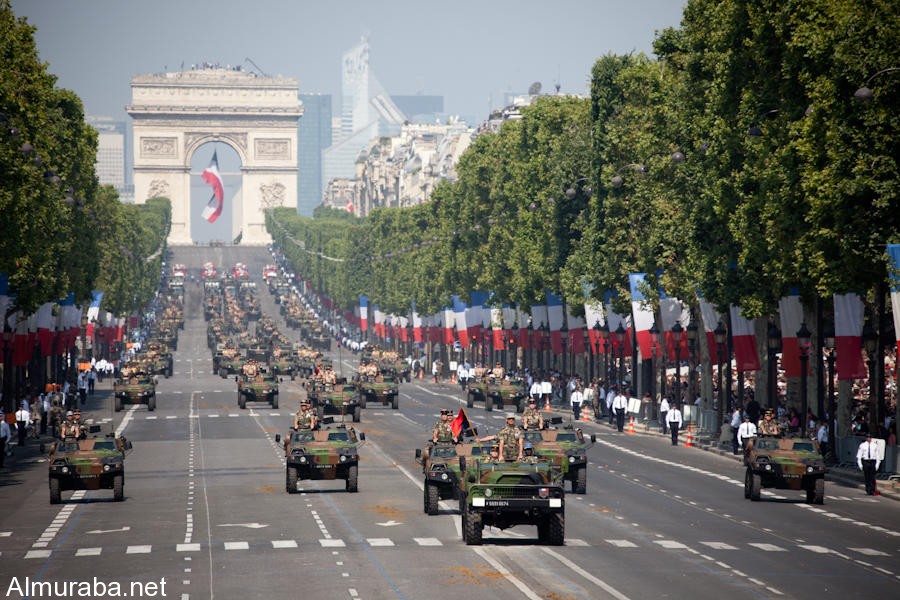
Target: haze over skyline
469,52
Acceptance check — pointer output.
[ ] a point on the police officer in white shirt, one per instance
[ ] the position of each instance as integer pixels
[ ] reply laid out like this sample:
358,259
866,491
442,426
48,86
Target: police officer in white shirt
663,410
535,390
673,420
746,434
576,398
619,406
868,458
23,417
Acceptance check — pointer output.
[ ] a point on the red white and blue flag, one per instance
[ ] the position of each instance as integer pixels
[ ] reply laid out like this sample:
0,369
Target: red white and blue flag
211,176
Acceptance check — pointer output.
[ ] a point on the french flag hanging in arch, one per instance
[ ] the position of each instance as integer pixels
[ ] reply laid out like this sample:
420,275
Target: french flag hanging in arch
211,176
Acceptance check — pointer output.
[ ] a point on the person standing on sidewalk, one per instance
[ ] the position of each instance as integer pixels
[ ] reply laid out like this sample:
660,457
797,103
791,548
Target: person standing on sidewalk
746,434
663,410
868,458
576,398
5,437
673,419
735,424
22,418
45,411
82,387
619,406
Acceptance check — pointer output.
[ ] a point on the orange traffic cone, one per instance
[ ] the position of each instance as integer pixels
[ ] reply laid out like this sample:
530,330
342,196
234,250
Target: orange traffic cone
584,414
689,441
630,426
547,405
453,378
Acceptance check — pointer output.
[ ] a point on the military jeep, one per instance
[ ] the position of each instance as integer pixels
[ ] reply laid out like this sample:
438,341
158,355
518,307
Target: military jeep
256,385
505,494
476,391
383,389
785,464
329,453
566,448
339,399
134,387
440,464
503,393
88,464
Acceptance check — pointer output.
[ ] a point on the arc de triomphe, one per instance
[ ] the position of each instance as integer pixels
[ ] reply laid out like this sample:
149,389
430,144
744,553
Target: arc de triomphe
175,113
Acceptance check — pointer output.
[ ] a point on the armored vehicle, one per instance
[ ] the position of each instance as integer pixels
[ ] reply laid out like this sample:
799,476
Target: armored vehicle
227,361
476,391
328,453
135,387
334,399
440,464
157,359
256,384
785,464
281,361
382,388
88,464
504,494
505,392
566,448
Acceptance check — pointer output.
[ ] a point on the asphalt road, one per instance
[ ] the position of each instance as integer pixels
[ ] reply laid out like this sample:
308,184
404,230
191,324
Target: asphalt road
205,511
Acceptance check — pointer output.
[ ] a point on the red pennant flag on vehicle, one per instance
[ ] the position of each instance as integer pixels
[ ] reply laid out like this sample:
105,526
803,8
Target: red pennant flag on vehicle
213,178
460,423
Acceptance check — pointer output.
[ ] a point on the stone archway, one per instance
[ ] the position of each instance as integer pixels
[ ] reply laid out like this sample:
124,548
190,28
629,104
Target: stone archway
173,114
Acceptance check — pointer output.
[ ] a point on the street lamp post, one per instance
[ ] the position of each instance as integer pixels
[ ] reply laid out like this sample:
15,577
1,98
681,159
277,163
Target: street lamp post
603,336
692,333
620,341
720,335
773,343
832,419
803,335
513,362
658,339
530,334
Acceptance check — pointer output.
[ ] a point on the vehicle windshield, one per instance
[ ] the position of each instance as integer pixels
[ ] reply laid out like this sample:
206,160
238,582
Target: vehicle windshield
566,437
443,452
766,445
338,436
303,436
804,446
533,436
105,445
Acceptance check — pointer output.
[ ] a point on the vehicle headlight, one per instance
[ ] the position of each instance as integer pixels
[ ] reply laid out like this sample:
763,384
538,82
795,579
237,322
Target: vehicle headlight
809,469
444,476
106,467
65,469
343,458
544,492
303,459
768,467
488,492
571,459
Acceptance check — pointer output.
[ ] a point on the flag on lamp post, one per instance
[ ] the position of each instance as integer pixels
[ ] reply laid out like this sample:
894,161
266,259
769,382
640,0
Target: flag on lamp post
211,176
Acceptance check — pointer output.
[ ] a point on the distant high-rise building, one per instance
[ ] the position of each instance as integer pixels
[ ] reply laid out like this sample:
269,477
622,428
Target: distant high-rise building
313,136
110,164
420,107
366,112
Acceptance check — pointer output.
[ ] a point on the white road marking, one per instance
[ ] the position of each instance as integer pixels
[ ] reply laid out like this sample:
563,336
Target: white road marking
237,546
768,547
284,544
670,544
596,581
332,543
138,549
869,551
88,551
187,548
380,541
622,543
429,541
719,545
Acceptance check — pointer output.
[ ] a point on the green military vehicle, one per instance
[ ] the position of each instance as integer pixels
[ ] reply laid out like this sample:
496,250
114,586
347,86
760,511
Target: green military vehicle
88,464
440,464
566,448
383,389
281,361
256,384
476,391
785,464
157,359
505,392
504,494
327,453
227,361
134,387
334,399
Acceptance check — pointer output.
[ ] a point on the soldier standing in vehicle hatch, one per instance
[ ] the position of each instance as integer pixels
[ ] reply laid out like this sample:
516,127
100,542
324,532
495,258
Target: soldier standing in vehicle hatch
306,417
510,439
442,431
531,416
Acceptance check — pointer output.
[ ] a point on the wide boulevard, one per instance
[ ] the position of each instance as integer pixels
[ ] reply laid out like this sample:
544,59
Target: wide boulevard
206,513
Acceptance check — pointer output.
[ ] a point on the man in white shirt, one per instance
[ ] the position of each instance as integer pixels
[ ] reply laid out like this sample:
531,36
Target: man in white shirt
663,410
22,419
673,420
735,424
535,390
746,434
462,374
589,398
619,406
610,396
868,458
546,389
576,397
822,438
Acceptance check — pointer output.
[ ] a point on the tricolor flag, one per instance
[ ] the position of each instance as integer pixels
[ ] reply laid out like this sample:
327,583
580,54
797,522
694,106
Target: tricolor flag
849,314
555,320
416,323
893,251
791,313
213,178
614,320
711,319
642,313
672,310
459,316
497,328
743,337
364,312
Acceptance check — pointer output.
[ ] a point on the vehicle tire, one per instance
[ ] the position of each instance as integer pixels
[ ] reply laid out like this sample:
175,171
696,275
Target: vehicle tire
352,479
118,488
488,404
242,402
55,494
395,403
472,528
362,401
747,481
543,528
169,370
755,486
290,480
816,495
520,406
579,485
320,411
432,497
223,372
118,403
151,403
356,414
556,529
274,400
470,400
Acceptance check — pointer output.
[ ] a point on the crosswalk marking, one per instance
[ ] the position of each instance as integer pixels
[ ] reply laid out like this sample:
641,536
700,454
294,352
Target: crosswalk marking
670,544
88,552
38,553
430,541
622,543
869,551
768,547
816,549
138,549
284,544
719,545
380,541
576,542
237,546
187,548
332,543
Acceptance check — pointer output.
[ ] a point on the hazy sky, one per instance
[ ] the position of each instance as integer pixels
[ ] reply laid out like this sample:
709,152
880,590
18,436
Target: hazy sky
469,51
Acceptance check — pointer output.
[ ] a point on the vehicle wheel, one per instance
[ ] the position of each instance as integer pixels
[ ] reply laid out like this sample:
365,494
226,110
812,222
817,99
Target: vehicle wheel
118,403
755,486
119,488
747,480
432,497
362,401
352,479
55,495
169,370
223,373
395,403
290,480
470,400
151,403
816,495
320,411
274,400
579,486
472,528
488,404
556,529
242,402
356,414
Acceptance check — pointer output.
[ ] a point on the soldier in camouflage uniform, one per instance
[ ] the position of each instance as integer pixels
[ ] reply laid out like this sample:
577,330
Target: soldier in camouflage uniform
531,416
510,439
768,427
528,454
442,431
306,417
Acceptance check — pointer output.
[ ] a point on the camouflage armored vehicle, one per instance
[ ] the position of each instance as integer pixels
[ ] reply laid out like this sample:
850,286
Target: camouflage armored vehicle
476,390
281,361
89,464
227,361
567,448
505,494
785,464
440,464
505,392
306,359
327,453
256,384
382,388
157,359
334,399
135,386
